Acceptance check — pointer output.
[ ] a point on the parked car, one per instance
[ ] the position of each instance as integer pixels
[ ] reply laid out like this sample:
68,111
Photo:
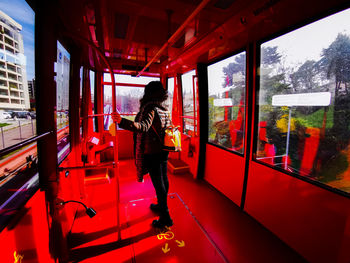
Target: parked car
32,114
5,115
23,115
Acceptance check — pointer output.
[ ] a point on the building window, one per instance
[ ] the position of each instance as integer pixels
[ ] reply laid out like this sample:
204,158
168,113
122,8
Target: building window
304,102
9,49
14,93
4,92
3,83
11,67
2,74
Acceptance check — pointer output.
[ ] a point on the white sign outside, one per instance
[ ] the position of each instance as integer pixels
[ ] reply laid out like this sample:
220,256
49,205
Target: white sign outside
302,99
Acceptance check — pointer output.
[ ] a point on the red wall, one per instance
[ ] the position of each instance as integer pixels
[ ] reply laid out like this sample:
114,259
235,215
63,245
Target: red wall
30,236
313,221
225,171
125,144
191,159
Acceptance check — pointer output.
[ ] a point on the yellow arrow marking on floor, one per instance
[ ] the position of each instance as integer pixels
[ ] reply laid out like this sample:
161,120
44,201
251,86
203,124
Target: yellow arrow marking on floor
165,249
180,243
167,235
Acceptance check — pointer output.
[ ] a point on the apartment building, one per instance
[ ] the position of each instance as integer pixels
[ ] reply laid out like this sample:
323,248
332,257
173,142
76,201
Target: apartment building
13,79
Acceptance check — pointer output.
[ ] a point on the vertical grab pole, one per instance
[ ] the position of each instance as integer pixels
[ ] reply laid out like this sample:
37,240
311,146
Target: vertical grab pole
3,139
114,106
115,148
288,135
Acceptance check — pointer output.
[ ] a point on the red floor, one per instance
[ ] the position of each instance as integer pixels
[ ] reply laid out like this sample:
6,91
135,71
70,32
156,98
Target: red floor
207,226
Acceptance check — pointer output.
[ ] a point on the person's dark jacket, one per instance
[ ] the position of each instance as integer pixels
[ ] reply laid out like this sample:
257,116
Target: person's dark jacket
148,130
151,115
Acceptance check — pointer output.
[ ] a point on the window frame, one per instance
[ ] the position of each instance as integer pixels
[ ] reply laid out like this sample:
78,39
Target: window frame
236,52
257,87
195,102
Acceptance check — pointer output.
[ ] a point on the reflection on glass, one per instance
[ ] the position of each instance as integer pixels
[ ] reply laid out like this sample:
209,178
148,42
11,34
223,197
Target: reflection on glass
62,107
226,80
304,102
188,98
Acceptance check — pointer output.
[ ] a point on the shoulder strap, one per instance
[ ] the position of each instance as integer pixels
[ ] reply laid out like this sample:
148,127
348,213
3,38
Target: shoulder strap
157,134
156,110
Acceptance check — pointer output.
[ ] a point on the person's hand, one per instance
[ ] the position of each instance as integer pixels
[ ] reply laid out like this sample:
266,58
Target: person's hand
116,117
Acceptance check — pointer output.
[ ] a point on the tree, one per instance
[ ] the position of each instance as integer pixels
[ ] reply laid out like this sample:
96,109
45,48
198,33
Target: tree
239,66
335,63
270,56
305,78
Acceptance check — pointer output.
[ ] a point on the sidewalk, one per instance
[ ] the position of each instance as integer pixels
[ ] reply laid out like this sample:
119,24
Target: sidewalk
12,134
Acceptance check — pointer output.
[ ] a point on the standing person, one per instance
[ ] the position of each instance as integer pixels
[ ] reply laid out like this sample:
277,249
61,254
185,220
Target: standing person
148,147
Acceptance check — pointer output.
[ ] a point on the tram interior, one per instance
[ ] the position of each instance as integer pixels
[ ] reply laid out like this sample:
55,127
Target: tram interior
259,89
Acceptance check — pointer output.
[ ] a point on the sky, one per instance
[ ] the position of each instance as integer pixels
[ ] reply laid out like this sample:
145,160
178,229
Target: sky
305,43
21,12
216,76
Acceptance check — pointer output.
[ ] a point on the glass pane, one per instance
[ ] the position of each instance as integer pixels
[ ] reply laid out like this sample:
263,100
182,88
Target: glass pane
169,102
128,97
304,101
188,102
81,101
107,108
226,84
62,107
92,93
128,102
17,85
122,78
18,169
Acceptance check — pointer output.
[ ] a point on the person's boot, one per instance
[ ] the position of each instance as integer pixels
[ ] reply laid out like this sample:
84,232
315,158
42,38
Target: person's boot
163,221
155,208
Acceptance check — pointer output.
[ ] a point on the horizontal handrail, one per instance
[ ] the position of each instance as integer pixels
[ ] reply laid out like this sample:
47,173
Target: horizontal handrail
87,167
187,117
22,144
107,114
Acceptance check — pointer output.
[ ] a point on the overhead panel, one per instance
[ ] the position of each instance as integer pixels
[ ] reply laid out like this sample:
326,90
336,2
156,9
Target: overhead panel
191,2
121,23
151,31
223,4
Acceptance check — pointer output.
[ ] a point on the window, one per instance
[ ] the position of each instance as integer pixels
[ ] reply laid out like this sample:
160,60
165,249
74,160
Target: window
62,103
4,92
92,93
304,102
189,102
171,87
129,91
81,85
18,167
226,85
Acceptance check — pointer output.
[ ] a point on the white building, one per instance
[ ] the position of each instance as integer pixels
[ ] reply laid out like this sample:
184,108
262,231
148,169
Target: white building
13,78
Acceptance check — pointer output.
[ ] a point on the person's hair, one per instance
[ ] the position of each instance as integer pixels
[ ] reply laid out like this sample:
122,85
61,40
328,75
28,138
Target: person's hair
155,92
